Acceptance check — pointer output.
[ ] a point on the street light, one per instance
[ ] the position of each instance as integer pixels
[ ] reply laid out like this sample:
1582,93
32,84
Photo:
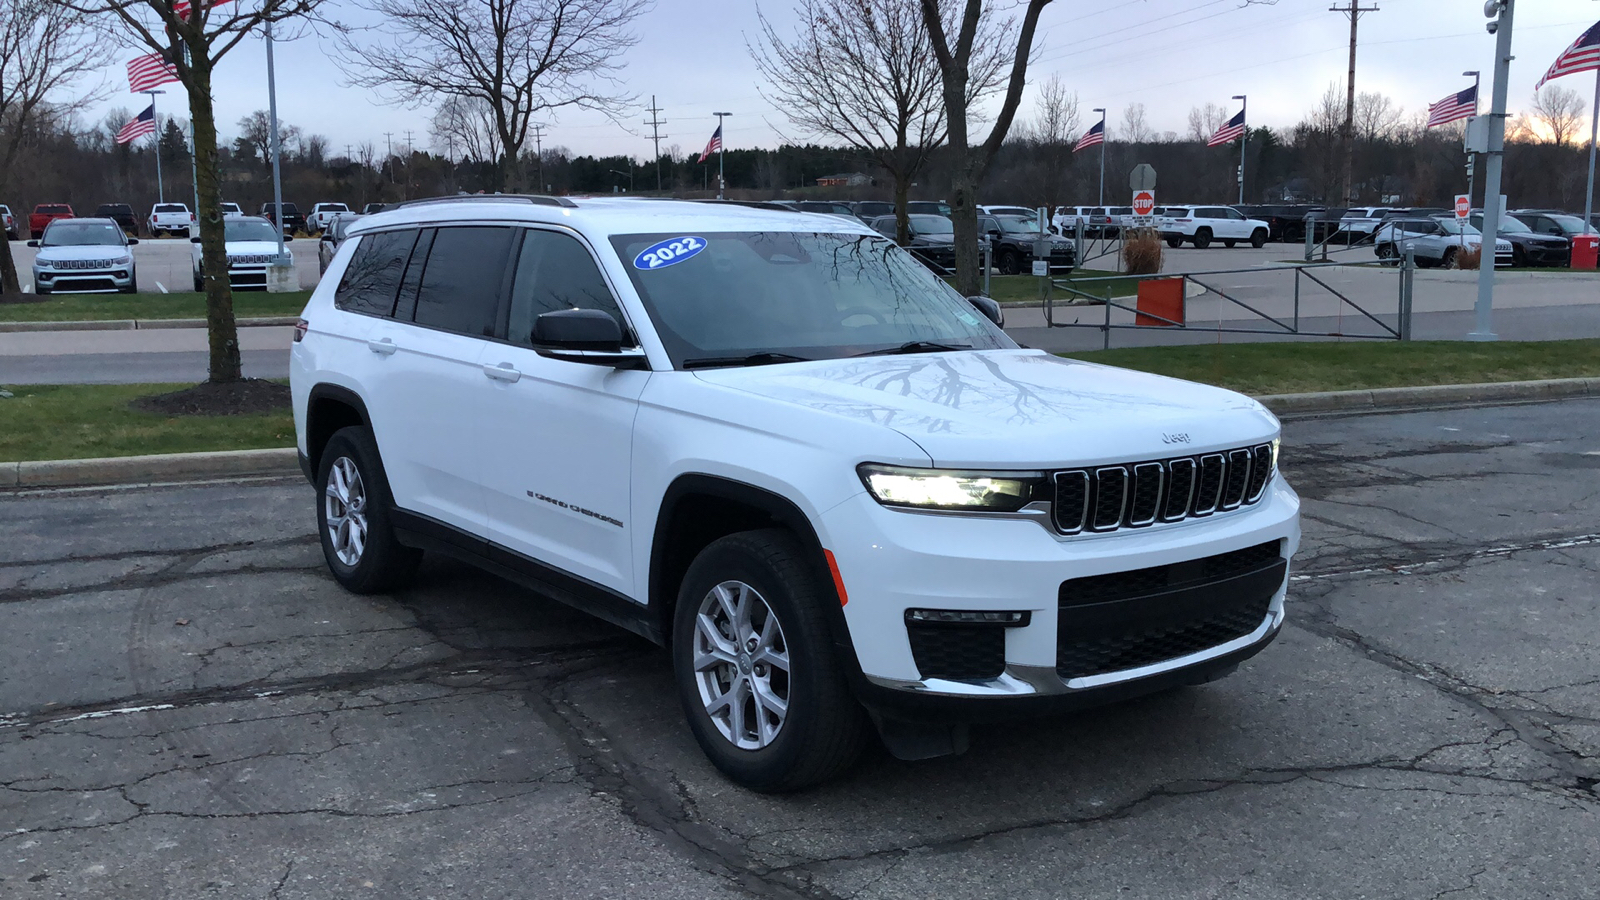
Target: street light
628,173
721,144
1244,138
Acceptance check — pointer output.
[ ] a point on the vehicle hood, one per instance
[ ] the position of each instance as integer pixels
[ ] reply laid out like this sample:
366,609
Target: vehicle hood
93,251
1014,408
252,248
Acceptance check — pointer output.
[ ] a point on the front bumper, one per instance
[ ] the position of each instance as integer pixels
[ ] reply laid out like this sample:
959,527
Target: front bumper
893,561
84,281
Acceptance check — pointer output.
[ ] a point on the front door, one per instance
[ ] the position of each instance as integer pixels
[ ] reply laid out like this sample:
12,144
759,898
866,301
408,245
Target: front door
557,436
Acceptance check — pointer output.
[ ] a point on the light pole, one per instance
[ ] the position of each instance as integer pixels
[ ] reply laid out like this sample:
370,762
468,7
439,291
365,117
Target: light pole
722,183
280,275
1244,138
1102,112
161,194
1501,28
628,173
1472,166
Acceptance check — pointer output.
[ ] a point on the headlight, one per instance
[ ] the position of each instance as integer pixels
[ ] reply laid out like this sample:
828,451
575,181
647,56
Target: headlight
41,263
122,260
951,489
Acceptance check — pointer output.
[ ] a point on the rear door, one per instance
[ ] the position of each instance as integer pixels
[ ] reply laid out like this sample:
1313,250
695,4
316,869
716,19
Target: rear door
557,436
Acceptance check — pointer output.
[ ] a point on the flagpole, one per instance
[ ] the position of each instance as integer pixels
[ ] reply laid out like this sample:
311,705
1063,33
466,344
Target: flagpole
1472,167
1244,138
161,196
1594,120
1102,113
721,147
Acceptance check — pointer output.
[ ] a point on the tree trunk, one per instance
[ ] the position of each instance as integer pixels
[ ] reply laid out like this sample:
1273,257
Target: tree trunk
902,221
8,266
964,216
221,330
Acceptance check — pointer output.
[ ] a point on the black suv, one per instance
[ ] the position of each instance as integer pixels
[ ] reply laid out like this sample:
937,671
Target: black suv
120,213
1012,239
293,220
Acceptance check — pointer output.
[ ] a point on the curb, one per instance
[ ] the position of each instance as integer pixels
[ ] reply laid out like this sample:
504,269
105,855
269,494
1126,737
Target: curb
141,469
139,324
286,461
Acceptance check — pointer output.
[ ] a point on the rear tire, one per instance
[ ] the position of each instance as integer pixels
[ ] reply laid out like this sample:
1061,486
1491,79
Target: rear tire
769,703
353,516
1202,239
1174,242
1258,238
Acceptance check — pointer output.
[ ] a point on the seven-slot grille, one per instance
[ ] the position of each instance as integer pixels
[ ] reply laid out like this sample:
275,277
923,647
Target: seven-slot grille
83,263
258,259
1133,495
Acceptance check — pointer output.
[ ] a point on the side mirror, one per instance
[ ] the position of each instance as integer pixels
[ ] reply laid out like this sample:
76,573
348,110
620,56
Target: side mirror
33,243
132,241
287,238
586,336
990,309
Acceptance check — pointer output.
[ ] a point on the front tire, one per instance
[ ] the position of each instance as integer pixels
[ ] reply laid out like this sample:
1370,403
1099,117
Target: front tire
353,506
1450,261
1258,238
1010,262
756,668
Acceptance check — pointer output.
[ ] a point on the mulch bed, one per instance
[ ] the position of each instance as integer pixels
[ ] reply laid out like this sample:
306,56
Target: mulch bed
235,398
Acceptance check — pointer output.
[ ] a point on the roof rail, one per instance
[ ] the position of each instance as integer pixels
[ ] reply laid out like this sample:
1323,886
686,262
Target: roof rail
535,199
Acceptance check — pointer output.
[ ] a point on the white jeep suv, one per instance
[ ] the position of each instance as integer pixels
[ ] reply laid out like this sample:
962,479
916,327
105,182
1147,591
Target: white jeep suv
1201,225
778,445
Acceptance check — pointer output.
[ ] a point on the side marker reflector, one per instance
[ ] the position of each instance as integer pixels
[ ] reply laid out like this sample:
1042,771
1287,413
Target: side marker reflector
838,580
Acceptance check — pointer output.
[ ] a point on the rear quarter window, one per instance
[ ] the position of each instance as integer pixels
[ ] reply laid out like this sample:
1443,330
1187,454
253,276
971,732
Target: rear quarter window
371,281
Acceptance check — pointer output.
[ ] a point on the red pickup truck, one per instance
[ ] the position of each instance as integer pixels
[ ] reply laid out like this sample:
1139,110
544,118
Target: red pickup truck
44,214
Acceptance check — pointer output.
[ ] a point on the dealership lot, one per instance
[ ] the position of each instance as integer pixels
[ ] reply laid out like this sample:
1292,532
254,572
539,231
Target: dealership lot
191,707
166,265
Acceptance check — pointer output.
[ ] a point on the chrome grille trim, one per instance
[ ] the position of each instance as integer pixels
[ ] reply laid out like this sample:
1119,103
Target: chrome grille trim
1103,499
83,264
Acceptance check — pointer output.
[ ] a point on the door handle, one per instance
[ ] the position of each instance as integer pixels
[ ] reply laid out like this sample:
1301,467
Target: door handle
503,372
383,347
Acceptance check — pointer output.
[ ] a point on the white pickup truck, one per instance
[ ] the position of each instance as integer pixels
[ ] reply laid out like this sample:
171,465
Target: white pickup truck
170,218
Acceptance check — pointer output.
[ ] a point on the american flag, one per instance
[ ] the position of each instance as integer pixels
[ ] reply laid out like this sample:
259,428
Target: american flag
151,71
1229,132
1582,56
181,7
1095,135
714,145
1454,108
144,123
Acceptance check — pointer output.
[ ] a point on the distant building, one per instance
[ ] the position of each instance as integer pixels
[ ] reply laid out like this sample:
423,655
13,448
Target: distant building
846,179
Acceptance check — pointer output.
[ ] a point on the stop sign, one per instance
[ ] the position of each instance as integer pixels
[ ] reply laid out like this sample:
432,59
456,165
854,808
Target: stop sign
1463,206
1144,203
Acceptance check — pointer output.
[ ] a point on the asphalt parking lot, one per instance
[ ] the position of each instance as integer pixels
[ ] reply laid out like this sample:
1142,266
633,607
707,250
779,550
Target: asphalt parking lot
190,707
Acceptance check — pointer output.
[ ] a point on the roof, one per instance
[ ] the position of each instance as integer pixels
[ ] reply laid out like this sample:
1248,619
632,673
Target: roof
602,216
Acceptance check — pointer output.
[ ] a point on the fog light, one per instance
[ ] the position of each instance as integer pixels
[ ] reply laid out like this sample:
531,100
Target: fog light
1009,619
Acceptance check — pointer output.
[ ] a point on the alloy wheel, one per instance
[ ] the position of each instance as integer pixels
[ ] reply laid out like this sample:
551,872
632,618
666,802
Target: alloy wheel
345,508
741,665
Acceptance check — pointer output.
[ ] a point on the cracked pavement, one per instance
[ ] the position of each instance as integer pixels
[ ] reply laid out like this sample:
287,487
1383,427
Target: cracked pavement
190,707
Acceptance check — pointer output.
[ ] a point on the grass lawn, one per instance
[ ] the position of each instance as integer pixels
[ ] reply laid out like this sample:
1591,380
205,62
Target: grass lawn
93,420
82,307
1285,368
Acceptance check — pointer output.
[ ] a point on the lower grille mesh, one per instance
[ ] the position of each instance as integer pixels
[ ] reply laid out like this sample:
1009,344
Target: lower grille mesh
1135,648
958,652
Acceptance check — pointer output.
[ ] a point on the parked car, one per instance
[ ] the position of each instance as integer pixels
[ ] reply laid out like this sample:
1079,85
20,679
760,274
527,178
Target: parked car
1201,225
867,210
933,238
170,218
1435,241
332,237
1285,221
1361,221
322,214
9,222
824,481
928,208
230,209
1007,211
252,245
84,256
292,219
1552,222
122,214
1012,237
371,208
1528,248
43,215
827,208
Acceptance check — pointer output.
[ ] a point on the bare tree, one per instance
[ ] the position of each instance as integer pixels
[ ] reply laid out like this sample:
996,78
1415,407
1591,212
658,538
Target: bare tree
862,72
1053,132
255,133
970,163
1377,117
46,52
1205,120
522,58
466,123
1560,111
1135,127
194,39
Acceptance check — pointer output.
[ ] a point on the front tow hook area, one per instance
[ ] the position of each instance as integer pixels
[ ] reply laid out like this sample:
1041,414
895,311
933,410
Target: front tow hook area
912,741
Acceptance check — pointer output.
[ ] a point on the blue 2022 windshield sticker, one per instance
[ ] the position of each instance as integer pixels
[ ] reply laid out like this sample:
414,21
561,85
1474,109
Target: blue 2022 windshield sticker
669,252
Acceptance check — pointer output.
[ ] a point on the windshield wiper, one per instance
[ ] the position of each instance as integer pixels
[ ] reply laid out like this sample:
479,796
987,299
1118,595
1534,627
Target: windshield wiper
754,359
916,347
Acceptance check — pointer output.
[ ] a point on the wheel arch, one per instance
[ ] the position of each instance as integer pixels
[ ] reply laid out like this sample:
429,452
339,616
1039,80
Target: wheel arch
330,407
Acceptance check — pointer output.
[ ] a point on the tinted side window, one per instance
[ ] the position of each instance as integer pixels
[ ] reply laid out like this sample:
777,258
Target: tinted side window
554,271
465,274
372,279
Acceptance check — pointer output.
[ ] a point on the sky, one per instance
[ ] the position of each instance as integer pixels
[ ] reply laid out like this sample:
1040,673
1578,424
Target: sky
1170,55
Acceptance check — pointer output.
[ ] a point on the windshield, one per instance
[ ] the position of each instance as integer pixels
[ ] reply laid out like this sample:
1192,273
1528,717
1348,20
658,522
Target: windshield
1569,224
802,294
248,230
69,233
1454,226
1018,225
923,224
1508,225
